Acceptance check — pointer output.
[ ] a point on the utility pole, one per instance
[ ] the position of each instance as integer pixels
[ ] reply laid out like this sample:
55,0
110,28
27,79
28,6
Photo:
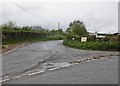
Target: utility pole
58,25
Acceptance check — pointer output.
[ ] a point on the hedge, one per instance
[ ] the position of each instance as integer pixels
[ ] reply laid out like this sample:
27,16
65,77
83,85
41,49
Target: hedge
19,36
106,46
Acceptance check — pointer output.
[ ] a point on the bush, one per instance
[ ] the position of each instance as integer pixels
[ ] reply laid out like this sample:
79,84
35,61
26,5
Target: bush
25,36
20,36
106,46
69,36
112,38
55,37
91,38
15,34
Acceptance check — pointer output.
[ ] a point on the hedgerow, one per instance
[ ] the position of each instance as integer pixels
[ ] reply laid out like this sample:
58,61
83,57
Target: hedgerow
93,45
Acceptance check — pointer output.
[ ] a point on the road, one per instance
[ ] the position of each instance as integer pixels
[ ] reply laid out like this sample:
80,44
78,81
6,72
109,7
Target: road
52,63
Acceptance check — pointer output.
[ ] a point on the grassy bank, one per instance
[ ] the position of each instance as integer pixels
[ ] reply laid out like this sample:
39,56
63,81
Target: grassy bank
106,46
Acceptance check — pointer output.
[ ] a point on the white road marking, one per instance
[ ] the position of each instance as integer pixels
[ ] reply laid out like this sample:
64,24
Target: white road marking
4,80
54,68
9,51
35,73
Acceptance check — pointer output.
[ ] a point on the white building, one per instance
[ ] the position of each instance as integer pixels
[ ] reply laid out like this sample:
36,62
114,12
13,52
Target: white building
98,35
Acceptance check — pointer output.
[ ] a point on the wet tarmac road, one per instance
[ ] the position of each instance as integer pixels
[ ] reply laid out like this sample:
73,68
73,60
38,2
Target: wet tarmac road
52,63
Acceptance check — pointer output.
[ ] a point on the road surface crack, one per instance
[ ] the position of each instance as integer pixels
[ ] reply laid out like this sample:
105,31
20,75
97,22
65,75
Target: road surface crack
46,65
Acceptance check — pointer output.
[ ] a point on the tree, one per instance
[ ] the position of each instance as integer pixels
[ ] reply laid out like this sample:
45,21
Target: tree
77,27
79,30
70,24
9,25
26,28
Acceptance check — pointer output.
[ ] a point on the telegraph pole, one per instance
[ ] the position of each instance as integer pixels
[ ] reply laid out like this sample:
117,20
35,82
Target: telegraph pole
58,25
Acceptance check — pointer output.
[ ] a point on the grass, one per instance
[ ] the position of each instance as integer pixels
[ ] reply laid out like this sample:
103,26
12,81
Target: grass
105,46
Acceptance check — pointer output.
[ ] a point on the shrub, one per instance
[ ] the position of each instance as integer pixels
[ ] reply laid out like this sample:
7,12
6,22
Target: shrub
69,36
106,46
22,36
91,38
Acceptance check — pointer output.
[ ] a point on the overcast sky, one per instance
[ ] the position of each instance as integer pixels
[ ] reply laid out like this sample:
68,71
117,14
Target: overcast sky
98,15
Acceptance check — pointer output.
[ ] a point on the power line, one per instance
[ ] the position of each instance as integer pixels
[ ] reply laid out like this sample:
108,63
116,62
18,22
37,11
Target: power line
23,8
28,11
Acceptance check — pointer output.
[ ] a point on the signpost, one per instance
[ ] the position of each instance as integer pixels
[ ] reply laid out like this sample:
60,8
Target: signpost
83,39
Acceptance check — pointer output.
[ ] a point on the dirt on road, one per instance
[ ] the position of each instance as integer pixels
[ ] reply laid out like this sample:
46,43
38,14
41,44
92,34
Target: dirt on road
7,48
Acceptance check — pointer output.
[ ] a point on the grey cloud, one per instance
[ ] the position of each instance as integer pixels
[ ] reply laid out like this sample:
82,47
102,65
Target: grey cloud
97,16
